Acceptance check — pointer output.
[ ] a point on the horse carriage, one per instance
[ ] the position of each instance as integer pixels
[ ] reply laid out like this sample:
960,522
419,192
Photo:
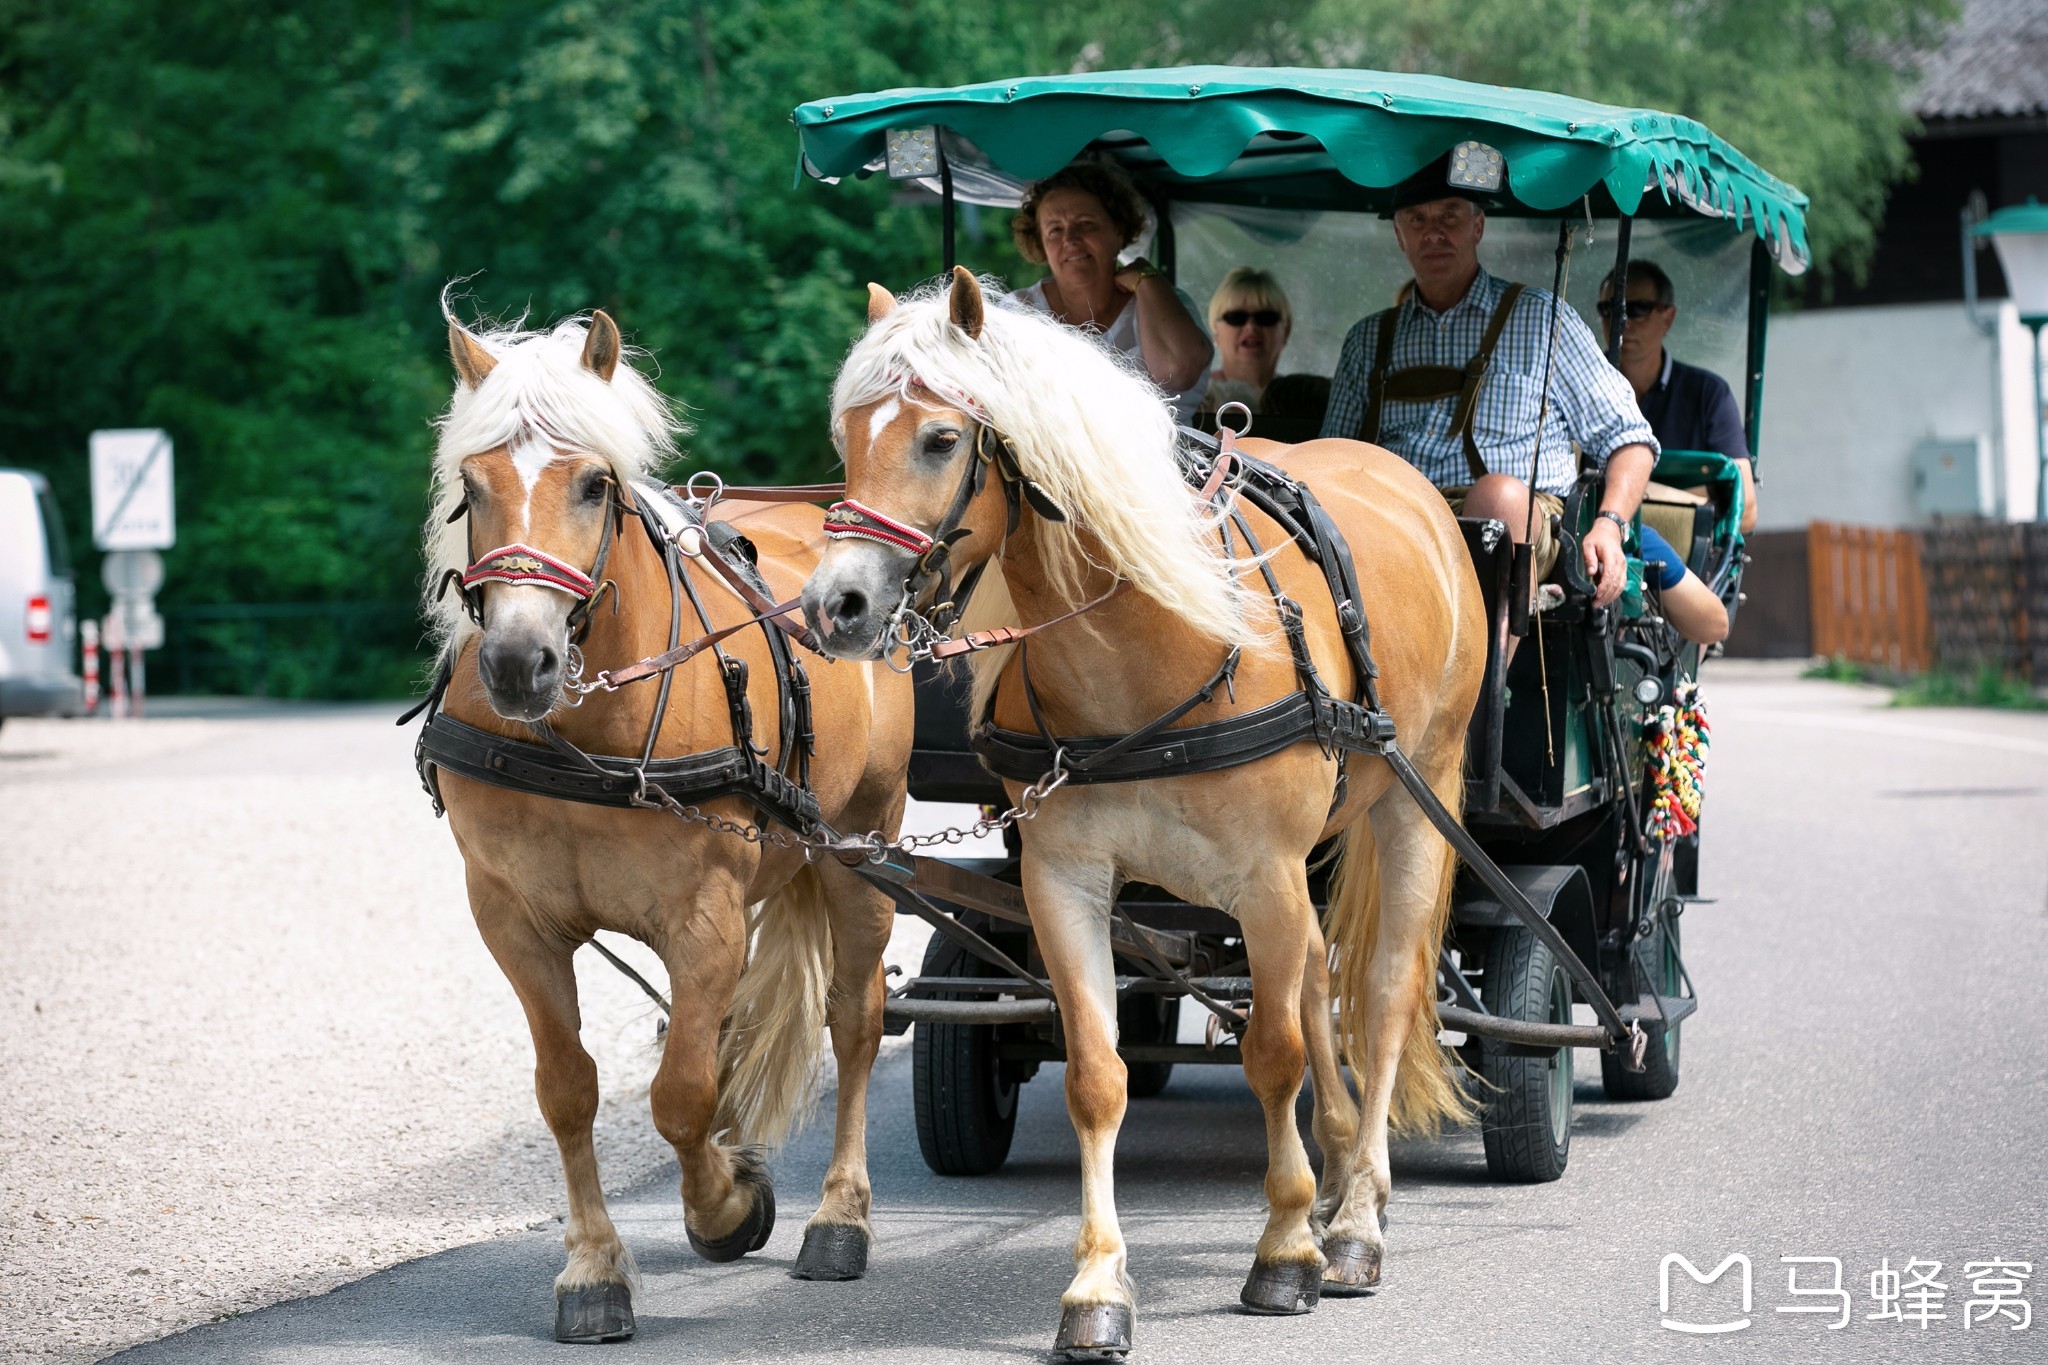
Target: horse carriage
1246,779
1295,168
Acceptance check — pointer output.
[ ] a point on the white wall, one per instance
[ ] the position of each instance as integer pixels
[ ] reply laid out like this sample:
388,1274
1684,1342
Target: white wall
1849,393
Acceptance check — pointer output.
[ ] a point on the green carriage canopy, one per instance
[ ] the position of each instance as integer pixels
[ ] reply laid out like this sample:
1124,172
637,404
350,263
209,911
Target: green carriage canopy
1306,138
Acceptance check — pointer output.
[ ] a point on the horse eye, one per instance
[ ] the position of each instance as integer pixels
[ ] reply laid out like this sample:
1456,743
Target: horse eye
943,440
597,489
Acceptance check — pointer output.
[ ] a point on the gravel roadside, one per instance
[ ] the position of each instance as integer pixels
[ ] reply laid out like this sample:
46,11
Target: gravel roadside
253,1048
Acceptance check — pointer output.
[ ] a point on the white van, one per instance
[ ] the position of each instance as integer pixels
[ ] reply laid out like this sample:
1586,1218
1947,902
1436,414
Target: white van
38,629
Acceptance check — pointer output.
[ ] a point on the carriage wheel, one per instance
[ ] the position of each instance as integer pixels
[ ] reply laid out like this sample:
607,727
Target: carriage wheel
1659,1076
1527,1125
966,1099
1147,1019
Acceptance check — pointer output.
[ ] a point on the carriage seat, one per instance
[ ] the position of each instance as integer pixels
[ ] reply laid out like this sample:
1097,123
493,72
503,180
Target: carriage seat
1683,518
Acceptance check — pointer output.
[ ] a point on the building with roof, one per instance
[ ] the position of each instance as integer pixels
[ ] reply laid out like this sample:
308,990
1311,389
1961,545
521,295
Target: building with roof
1887,402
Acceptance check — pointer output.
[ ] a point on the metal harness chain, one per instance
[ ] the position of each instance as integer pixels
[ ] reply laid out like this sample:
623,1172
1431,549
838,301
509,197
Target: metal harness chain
872,846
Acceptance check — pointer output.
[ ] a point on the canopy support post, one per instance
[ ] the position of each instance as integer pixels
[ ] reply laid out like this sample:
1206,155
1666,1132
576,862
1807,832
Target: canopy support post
1617,322
1760,279
945,207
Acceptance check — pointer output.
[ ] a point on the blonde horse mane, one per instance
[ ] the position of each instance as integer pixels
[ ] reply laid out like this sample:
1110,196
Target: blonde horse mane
538,393
1088,427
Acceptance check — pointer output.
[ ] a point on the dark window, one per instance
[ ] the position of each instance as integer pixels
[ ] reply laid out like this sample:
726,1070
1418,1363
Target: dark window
55,545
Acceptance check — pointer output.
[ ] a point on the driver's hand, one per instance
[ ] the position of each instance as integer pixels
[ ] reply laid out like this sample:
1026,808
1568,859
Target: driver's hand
1606,561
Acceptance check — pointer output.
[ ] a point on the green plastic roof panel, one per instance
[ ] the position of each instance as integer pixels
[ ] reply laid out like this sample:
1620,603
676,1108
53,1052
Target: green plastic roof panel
1313,139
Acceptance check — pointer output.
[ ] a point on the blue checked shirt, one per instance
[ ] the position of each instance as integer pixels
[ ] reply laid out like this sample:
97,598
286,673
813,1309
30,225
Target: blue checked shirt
1590,401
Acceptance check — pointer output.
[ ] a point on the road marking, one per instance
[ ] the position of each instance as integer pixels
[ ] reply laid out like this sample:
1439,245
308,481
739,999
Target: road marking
2005,744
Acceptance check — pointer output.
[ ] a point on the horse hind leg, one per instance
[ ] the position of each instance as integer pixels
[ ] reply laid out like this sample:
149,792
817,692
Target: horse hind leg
728,1198
838,1237
1278,920
1388,921
1334,1120
594,1292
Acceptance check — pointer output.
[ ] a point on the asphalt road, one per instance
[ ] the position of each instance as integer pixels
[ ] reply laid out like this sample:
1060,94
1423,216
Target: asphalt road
1865,1081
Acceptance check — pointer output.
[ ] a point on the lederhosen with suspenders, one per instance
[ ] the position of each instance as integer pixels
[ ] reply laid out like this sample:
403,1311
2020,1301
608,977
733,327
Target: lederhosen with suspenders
1433,383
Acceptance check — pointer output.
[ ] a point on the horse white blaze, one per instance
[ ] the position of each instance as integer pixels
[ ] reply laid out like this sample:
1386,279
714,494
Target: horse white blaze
530,457
884,413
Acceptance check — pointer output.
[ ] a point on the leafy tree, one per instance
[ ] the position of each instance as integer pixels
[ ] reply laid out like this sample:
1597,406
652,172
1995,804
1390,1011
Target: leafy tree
234,219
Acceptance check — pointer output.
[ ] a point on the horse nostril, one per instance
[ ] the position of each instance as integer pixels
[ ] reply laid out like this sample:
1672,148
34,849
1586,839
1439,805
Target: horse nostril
848,607
546,664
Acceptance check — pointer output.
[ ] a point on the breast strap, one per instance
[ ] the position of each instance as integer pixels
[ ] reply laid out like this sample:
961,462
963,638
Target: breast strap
1433,383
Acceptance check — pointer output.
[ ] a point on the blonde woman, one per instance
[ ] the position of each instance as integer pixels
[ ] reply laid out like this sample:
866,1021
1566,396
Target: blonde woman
1251,319
1076,223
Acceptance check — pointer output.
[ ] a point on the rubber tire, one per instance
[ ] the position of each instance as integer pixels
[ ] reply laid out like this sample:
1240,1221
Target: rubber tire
1658,1079
1147,1019
966,1106
1527,1139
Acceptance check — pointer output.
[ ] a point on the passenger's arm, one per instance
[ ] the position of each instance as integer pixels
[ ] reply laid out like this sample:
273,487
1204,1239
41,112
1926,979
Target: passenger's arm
1628,473
1175,348
1691,606
1601,411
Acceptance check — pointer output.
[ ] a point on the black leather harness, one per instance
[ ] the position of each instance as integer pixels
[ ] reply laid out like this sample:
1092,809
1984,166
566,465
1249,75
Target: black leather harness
779,791
1338,725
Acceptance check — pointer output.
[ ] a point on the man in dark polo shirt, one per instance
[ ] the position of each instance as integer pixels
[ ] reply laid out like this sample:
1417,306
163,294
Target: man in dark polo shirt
1689,408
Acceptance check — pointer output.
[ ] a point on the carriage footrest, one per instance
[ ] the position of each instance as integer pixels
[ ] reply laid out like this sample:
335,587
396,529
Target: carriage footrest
1644,1011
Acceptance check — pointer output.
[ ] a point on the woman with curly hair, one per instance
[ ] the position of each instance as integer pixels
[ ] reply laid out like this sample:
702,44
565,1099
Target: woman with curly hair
1076,223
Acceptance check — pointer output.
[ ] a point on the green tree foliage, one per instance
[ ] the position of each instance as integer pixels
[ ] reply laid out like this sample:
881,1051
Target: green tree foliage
234,220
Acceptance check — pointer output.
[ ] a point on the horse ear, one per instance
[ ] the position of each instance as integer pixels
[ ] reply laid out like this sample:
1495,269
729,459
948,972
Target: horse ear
966,303
601,346
881,303
472,361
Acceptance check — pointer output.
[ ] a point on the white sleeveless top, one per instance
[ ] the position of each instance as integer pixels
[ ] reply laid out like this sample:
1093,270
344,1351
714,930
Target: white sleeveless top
1122,335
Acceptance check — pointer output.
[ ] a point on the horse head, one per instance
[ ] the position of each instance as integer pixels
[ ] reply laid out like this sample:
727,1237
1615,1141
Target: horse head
531,461
921,449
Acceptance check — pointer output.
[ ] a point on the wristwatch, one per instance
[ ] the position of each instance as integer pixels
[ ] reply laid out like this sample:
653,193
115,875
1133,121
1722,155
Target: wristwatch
1618,519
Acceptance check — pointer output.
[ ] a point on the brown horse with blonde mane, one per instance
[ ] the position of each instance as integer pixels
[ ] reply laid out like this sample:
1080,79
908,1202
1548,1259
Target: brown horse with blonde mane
549,450
1106,502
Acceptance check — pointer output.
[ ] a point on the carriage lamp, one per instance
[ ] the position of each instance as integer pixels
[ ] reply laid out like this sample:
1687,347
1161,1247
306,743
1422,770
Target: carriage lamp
1476,166
913,152
2020,234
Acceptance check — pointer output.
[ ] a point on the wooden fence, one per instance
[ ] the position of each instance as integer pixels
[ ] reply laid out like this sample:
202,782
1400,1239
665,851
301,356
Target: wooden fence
1868,602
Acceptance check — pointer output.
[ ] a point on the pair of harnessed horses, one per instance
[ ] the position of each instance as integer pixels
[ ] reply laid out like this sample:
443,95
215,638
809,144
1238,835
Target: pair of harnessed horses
1173,674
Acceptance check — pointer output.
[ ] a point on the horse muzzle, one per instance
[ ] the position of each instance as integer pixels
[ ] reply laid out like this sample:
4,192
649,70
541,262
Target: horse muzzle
850,598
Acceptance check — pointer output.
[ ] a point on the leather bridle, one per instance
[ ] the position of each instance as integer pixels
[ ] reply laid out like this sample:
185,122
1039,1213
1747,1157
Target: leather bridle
521,565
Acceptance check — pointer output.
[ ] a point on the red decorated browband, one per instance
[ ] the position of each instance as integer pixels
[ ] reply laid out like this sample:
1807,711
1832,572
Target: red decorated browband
524,566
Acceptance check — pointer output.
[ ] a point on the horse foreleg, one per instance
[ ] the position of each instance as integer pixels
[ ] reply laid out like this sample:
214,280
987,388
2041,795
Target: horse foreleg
1335,1118
1069,912
1287,1270
728,1201
593,1294
837,1239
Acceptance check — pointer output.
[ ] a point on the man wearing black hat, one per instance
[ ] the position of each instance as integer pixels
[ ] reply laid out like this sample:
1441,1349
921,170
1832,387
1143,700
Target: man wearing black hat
1452,379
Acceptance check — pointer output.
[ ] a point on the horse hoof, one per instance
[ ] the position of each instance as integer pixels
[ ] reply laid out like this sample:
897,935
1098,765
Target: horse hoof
1354,1267
1282,1288
832,1251
750,1235
1096,1331
594,1313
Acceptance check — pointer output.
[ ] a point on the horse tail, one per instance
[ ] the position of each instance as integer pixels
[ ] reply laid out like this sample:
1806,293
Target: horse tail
773,1039
1425,1095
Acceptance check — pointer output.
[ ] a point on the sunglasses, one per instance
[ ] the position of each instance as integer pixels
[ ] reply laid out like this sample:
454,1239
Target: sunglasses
1238,317
1637,309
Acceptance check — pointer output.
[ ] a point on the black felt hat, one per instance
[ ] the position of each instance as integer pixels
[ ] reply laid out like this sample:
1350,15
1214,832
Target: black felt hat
1470,170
